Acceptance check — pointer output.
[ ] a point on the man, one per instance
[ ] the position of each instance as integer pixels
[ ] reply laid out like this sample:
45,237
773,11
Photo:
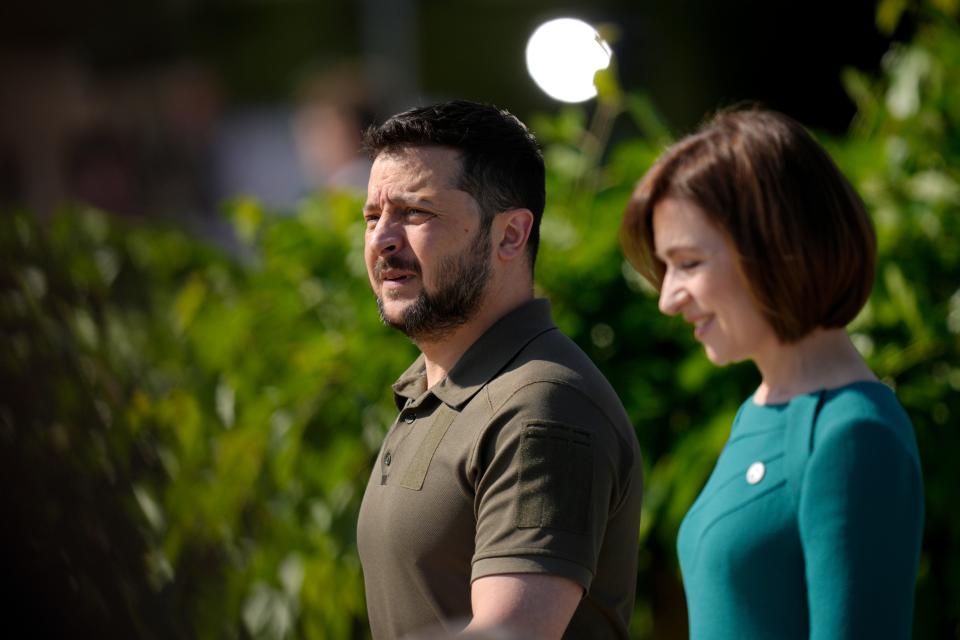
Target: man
507,492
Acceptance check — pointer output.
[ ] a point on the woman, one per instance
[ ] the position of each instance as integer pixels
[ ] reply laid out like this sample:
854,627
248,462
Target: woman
811,521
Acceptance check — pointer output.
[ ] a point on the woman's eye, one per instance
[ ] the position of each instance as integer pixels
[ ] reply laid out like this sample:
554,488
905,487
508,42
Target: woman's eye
686,265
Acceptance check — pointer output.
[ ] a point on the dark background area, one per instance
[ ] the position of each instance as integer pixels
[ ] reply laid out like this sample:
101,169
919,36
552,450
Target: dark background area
167,109
689,55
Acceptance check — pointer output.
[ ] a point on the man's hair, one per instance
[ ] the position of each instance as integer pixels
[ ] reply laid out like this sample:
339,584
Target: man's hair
501,165
801,234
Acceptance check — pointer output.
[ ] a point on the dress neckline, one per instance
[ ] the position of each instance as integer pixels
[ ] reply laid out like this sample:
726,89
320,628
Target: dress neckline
837,389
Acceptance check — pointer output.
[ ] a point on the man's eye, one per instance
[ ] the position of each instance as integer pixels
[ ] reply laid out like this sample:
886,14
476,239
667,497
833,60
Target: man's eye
418,214
371,220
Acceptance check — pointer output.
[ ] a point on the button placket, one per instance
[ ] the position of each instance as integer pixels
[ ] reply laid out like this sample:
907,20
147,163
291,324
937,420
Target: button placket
394,437
401,429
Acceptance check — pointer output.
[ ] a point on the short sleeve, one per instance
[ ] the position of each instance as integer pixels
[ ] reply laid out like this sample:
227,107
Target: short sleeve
546,480
861,519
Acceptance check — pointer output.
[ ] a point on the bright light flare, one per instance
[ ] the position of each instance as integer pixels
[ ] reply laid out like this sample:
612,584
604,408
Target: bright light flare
563,55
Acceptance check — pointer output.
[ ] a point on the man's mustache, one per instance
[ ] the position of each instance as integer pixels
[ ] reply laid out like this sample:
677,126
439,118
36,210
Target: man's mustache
394,262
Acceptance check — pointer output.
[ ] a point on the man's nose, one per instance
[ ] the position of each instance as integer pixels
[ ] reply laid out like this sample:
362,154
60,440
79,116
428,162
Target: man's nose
387,237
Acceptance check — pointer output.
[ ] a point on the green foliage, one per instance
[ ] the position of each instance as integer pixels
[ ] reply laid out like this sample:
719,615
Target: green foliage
230,408
904,154
186,434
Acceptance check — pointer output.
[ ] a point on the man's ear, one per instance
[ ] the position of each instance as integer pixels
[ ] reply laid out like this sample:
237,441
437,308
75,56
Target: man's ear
512,232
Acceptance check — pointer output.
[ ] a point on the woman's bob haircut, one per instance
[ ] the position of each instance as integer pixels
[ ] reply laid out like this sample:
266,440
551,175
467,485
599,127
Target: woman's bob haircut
801,235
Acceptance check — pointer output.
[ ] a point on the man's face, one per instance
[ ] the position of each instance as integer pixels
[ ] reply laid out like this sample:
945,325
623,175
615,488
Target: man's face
427,253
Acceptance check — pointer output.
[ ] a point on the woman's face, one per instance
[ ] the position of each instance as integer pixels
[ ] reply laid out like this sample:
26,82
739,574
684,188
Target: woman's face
702,282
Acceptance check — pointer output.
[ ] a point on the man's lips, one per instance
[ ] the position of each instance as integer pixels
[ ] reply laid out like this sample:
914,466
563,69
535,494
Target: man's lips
397,278
395,271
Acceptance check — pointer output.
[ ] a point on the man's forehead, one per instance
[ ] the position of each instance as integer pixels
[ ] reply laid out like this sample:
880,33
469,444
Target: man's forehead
414,172
434,159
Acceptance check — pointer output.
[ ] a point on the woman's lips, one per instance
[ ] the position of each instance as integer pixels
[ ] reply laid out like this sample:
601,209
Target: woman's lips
701,326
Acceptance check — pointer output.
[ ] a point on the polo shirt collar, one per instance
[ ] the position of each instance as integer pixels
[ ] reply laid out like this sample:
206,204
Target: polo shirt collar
483,360
411,384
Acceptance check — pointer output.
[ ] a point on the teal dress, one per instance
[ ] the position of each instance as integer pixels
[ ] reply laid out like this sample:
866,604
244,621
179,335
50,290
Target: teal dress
810,524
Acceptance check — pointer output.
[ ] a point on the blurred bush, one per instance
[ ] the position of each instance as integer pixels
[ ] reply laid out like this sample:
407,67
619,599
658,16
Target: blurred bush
185,435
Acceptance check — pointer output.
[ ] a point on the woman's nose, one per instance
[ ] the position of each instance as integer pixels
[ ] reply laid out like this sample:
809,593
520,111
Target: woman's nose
672,297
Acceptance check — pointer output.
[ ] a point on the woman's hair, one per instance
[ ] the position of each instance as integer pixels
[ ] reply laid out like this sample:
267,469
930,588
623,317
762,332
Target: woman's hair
801,235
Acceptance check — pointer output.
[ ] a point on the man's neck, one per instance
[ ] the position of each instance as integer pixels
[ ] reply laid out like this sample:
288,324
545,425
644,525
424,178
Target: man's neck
441,355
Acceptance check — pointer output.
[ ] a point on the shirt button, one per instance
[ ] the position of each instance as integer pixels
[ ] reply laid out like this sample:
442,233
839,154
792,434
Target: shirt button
409,418
387,458
756,472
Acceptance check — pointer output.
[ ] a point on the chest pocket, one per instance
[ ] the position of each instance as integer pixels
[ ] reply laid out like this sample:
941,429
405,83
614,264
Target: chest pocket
416,471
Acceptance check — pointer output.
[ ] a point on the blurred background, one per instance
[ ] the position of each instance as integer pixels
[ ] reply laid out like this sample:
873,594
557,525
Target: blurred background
163,108
193,379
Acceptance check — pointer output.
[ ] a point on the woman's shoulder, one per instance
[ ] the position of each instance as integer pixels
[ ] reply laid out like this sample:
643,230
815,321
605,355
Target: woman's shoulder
864,411
864,400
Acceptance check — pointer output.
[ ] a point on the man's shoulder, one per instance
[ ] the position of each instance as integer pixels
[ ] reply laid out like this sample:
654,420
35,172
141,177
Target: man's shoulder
552,371
551,355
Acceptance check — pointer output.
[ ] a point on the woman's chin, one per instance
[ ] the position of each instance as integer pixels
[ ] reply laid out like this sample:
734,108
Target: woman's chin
717,357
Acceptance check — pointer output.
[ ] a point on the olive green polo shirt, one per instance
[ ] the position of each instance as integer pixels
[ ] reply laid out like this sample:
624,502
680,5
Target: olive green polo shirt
521,460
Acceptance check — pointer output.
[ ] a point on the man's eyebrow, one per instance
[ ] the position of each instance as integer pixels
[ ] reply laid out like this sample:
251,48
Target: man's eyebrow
403,201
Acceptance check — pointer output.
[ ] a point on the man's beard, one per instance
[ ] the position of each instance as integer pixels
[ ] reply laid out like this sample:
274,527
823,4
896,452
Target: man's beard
461,281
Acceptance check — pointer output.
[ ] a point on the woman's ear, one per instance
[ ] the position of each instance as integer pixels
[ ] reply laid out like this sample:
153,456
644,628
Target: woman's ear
513,227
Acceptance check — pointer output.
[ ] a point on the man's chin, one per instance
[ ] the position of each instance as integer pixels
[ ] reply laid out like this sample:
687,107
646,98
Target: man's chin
393,311
404,318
